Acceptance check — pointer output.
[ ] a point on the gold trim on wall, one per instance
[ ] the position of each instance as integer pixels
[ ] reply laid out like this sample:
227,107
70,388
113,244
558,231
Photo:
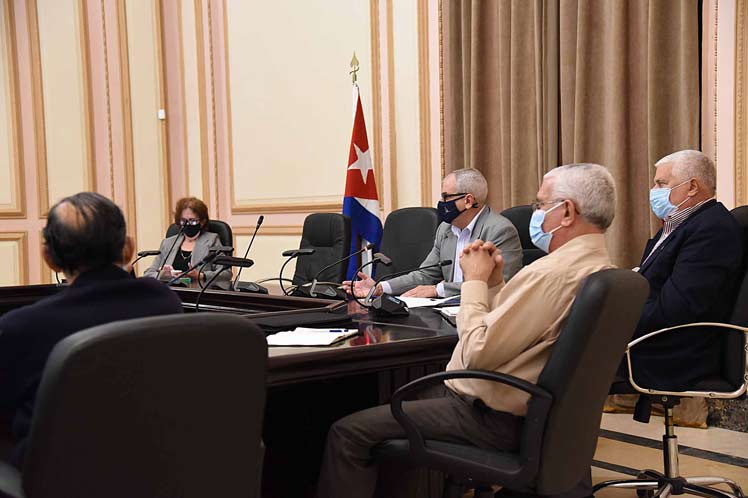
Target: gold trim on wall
129,166
23,262
183,124
741,105
167,203
424,101
18,209
107,97
442,160
37,93
214,127
391,102
269,230
45,275
376,91
88,118
273,207
200,40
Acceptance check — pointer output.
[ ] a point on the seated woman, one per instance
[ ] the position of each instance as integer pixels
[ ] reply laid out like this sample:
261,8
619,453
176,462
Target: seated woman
192,215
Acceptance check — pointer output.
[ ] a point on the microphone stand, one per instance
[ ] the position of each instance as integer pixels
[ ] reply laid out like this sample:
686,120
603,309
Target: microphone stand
331,290
163,263
145,255
207,259
227,263
290,254
249,286
376,259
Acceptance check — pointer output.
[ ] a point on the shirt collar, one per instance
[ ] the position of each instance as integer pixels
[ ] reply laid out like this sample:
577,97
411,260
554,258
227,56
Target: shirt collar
470,226
673,221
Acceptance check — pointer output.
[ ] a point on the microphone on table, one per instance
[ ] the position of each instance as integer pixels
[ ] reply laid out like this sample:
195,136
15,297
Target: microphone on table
378,258
213,253
291,254
390,305
144,254
226,262
176,239
249,286
327,291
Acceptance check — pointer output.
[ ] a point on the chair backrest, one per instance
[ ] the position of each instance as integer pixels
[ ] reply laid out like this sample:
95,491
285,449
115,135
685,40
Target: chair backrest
733,346
219,227
330,235
520,218
579,372
407,238
151,407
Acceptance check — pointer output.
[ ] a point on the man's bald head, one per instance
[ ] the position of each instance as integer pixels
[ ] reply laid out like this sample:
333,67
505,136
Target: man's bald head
83,232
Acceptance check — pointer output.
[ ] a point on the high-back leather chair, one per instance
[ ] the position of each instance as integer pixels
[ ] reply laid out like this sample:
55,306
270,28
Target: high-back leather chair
559,434
152,407
520,218
407,238
329,234
730,383
219,227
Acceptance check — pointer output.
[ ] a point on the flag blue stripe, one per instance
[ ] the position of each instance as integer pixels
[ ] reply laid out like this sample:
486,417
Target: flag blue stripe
364,225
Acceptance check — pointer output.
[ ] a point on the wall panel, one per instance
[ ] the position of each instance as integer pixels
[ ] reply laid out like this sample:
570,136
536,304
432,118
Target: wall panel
12,200
152,203
67,167
290,105
13,253
266,251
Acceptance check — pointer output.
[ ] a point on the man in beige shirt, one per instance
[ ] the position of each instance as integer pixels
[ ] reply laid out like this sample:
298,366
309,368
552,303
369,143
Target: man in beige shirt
507,328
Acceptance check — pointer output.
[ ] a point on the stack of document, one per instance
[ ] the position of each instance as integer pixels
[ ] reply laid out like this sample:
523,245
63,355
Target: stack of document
422,302
303,336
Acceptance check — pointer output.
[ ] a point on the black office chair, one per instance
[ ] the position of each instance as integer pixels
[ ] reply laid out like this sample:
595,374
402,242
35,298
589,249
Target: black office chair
329,234
222,228
407,238
559,435
730,383
155,407
520,218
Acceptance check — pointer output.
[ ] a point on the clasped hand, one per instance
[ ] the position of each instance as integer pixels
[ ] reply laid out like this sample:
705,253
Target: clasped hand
482,261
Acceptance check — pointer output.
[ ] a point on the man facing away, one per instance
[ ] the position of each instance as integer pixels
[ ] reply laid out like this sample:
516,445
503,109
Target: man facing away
693,266
84,238
464,217
508,327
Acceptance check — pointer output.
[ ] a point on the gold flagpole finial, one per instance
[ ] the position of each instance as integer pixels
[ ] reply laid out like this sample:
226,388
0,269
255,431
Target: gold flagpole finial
354,68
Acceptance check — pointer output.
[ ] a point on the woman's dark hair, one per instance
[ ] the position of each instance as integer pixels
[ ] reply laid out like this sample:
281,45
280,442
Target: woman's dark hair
196,205
90,237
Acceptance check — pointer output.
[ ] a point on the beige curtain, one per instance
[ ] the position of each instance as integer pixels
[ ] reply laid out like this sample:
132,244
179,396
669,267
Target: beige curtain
532,84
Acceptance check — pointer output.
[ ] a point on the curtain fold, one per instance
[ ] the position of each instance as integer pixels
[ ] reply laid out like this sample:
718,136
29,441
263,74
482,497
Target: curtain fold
529,85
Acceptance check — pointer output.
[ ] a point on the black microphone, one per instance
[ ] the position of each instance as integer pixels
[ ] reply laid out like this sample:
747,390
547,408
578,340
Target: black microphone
179,234
226,262
249,286
297,252
378,258
143,254
327,291
390,305
212,255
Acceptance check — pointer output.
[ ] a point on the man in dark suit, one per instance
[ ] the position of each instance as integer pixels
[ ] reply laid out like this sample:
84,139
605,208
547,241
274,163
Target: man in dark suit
693,266
85,239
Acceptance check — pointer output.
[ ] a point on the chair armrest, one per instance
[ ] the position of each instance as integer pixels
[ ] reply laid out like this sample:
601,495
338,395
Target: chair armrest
540,403
699,394
10,481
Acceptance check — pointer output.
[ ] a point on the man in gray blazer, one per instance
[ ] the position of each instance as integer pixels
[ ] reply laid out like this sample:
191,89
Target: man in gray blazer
465,217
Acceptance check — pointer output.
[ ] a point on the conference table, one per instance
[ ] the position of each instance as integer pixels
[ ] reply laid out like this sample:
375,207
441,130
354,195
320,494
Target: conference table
311,387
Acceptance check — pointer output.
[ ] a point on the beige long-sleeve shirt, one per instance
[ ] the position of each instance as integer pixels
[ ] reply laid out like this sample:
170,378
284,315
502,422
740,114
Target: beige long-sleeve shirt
512,327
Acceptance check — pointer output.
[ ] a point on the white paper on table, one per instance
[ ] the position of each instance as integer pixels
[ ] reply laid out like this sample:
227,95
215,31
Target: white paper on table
304,336
421,302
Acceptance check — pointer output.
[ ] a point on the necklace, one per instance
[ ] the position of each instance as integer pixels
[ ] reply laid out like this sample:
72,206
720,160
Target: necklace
186,254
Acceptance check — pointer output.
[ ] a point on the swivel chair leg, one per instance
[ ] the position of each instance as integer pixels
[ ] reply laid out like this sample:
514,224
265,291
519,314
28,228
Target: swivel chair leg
709,481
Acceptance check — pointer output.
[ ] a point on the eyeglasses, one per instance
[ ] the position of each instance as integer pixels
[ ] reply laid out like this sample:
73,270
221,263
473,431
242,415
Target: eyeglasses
539,204
446,196
190,221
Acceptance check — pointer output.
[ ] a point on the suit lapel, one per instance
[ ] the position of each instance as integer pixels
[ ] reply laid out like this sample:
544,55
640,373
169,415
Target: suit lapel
448,252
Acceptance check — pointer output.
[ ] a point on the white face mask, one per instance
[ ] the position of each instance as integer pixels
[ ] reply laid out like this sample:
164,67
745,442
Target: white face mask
540,238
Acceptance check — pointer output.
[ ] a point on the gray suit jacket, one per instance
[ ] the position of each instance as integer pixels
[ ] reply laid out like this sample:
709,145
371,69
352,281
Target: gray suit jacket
203,243
489,226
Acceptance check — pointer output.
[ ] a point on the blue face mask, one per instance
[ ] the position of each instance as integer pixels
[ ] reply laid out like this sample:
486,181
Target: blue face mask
659,200
541,239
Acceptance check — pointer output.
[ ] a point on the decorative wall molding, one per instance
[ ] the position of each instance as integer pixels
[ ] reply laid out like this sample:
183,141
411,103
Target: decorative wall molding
268,230
424,101
741,105
21,238
18,208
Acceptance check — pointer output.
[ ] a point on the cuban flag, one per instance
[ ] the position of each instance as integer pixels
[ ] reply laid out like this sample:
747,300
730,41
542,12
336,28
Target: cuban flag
361,202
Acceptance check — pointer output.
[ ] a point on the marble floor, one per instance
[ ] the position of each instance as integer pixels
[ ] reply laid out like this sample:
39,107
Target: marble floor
625,446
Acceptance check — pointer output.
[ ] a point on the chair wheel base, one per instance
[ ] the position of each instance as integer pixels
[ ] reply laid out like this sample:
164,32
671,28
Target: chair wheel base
653,484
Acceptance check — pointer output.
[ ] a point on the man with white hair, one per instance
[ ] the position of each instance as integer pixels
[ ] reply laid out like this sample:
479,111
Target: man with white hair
465,217
574,207
693,267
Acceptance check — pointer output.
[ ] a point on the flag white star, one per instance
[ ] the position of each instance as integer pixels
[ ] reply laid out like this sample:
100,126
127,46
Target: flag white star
363,162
